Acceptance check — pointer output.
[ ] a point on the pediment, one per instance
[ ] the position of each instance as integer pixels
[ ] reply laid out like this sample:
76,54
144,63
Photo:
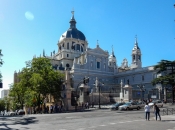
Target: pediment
98,50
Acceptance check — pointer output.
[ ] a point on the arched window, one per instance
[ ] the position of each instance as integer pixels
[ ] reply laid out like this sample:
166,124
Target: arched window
81,49
78,47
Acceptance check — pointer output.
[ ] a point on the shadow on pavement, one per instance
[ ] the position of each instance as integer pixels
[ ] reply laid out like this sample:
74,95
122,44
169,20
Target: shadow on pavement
7,123
167,120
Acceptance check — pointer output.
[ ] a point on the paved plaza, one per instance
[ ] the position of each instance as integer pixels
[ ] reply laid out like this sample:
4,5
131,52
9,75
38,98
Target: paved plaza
88,120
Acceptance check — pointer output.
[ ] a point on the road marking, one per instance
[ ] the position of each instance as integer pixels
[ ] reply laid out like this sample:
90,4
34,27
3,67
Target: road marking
102,125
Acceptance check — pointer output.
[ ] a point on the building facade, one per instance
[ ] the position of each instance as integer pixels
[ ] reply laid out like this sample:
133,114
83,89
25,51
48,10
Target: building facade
81,61
4,93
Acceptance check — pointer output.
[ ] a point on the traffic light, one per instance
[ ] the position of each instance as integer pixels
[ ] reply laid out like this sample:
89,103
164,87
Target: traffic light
41,101
1,85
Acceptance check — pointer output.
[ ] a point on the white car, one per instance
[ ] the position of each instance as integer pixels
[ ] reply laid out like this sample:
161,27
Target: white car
157,102
11,113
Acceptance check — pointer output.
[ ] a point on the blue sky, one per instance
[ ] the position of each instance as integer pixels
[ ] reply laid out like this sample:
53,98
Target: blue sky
29,26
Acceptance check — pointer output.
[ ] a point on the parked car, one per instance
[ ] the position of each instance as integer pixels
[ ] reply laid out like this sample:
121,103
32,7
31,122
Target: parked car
159,103
129,106
141,104
11,113
116,106
21,112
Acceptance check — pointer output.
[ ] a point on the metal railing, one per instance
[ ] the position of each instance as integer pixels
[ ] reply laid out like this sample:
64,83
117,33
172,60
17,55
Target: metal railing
168,111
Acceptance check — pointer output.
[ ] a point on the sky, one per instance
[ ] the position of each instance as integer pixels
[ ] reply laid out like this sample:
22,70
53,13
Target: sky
29,26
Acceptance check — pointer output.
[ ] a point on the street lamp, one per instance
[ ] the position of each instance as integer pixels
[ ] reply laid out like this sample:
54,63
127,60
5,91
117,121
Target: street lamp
97,85
142,89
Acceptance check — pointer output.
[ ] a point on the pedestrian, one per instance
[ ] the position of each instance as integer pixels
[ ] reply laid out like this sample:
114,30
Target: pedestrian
51,109
147,111
87,105
47,109
156,111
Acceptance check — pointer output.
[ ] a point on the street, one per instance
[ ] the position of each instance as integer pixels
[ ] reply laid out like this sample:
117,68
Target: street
88,120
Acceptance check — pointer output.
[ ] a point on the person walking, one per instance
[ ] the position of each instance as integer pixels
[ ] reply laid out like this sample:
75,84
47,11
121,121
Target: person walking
147,111
156,111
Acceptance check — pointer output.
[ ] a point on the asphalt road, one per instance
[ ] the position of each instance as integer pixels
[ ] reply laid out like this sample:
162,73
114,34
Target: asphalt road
89,120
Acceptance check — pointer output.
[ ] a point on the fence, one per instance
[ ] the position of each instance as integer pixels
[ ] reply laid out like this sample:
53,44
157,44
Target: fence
169,111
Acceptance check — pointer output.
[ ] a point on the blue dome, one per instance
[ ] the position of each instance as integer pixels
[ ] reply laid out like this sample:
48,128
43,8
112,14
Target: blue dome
73,32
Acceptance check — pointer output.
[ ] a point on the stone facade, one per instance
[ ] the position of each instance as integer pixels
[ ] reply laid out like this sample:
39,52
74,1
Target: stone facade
80,61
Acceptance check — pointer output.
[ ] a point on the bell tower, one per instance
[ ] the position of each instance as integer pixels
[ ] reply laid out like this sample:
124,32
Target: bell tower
136,56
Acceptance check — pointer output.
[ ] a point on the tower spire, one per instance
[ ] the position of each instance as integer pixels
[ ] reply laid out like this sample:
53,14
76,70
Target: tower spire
112,50
72,20
97,44
136,40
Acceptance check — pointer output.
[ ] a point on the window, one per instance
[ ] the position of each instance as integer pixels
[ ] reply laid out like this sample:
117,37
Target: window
67,65
133,57
133,78
68,46
142,77
67,55
98,65
78,47
91,64
138,57
63,44
104,66
81,49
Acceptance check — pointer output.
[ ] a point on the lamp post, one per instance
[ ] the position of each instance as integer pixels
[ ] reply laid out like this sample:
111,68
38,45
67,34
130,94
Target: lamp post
92,96
97,85
142,89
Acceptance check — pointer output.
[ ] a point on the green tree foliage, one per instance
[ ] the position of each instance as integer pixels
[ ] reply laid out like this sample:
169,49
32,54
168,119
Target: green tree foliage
37,80
2,105
163,67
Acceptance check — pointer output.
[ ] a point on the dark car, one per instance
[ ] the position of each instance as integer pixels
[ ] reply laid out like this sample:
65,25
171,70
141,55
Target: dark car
21,112
116,106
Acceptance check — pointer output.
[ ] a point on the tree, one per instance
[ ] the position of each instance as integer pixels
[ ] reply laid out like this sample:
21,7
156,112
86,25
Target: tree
2,105
37,80
166,69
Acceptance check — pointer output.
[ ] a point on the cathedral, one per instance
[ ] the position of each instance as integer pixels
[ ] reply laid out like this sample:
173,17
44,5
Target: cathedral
75,56
78,61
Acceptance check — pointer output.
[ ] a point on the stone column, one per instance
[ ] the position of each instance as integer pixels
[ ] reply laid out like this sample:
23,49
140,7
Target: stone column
165,99
121,91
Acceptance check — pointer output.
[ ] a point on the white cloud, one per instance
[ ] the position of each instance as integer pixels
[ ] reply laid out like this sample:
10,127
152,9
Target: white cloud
29,15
